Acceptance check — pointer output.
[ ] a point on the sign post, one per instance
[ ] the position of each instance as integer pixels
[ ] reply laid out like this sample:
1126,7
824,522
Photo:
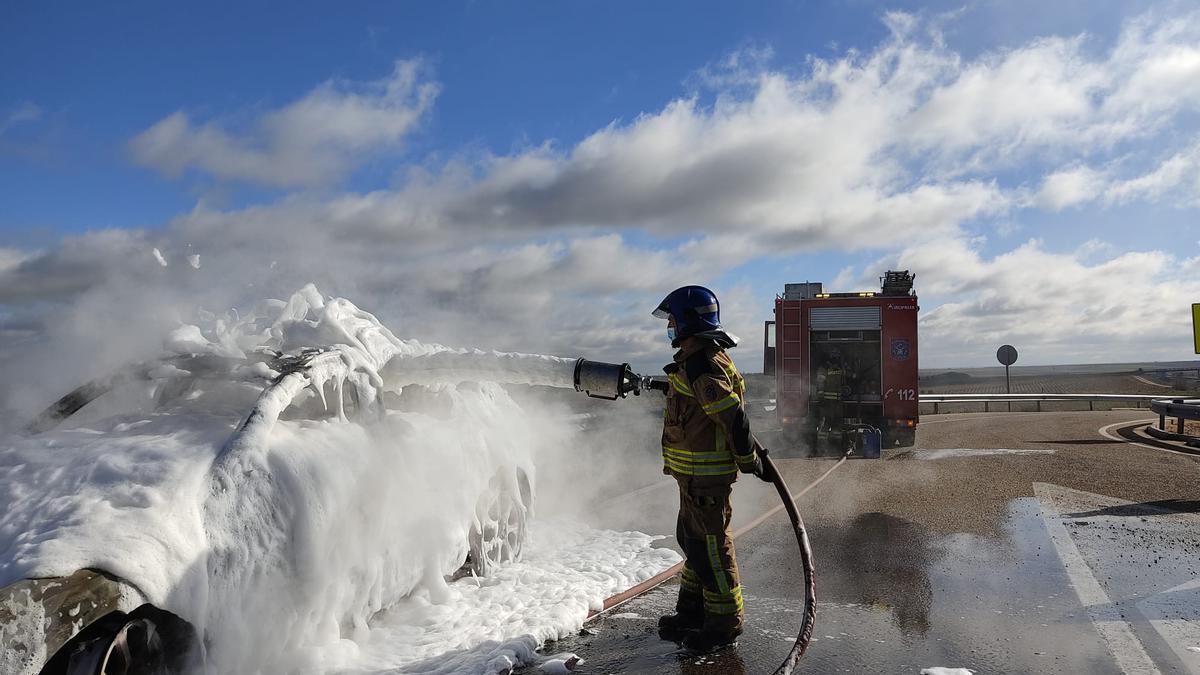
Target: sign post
1196,325
1007,354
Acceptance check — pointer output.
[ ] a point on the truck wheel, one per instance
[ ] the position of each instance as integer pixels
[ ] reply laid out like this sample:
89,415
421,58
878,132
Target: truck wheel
501,522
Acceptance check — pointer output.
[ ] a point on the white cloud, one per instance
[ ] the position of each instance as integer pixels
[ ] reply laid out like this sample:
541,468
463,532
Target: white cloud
1070,187
1156,67
11,257
1037,95
903,154
25,112
1091,304
1078,185
308,142
1170,174
1070,307
909,133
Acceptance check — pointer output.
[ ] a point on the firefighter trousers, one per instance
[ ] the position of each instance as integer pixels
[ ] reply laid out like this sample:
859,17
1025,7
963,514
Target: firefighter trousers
710,582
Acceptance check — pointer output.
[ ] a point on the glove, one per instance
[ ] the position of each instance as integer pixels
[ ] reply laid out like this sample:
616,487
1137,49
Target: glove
752,463
766,471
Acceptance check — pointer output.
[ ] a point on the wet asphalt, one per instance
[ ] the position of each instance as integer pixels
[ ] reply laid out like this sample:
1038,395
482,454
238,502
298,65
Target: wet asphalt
968,551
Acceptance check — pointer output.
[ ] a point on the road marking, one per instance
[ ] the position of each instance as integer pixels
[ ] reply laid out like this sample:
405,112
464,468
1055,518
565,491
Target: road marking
1115,632
933,454
795,496
653,487
1173,613
1104,431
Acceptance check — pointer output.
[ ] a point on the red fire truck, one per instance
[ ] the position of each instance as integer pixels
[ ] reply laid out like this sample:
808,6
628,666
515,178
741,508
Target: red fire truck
844,361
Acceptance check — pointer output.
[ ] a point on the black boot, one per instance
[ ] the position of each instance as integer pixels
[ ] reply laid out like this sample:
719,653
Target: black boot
711,638
675,627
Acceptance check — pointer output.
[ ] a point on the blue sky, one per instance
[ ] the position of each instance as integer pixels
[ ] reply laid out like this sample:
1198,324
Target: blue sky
944,136
100,74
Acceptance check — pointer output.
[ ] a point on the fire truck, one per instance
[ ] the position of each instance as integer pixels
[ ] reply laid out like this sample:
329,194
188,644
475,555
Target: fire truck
845,362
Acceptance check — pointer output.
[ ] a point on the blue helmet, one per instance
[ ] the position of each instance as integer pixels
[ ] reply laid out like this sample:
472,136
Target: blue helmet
695,308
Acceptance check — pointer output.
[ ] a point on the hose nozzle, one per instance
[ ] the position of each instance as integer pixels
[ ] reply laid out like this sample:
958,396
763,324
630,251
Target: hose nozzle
610,381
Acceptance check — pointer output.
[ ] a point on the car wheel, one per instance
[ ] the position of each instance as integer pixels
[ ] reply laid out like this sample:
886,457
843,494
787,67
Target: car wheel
144,642
501,518
135,647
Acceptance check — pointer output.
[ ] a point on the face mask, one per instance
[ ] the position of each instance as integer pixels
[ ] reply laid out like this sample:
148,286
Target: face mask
671,333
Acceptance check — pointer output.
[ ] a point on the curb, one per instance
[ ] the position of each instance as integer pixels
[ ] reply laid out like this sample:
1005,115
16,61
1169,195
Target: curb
1171,436
1140,432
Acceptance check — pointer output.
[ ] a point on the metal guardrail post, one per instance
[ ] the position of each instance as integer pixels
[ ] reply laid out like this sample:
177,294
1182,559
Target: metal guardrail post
1181,410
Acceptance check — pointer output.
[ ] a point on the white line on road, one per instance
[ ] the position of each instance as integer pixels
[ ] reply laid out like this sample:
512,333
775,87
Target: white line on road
1173,614
1116,633
653,487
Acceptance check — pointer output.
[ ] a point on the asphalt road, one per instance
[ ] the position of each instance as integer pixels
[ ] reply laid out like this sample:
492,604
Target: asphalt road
1003,543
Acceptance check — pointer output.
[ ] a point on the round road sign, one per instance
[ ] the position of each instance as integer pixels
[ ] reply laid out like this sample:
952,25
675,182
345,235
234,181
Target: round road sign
1007,355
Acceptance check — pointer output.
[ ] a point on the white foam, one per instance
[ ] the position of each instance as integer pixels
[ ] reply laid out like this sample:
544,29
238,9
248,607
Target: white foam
958,453
283,538
560,664
568,570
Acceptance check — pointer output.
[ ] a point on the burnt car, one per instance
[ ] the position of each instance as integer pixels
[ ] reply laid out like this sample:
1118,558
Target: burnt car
265,463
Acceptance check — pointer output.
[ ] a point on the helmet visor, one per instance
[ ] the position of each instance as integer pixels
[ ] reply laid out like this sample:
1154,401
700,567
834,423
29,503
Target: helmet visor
663,311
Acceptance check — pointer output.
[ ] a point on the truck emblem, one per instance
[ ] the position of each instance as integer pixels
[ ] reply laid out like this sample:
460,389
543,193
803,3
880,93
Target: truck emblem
901,349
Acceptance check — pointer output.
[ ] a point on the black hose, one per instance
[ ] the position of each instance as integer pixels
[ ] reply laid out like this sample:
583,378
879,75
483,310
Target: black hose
804,637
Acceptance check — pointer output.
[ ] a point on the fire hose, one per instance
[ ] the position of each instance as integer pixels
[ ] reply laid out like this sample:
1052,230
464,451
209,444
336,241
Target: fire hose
612,381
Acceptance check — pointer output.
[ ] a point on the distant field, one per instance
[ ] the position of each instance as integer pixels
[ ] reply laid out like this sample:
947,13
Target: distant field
958,382
1098,383
1066,369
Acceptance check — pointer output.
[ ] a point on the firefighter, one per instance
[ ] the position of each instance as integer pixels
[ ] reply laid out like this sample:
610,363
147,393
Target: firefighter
830,384
706,441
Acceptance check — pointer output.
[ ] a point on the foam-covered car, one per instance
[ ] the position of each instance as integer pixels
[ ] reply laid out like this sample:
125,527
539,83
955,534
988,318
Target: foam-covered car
270,475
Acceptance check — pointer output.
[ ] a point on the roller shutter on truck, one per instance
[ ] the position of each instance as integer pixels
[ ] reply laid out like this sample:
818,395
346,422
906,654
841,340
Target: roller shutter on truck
844,318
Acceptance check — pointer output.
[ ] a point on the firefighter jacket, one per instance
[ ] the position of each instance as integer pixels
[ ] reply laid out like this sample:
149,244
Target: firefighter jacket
831,388
706,432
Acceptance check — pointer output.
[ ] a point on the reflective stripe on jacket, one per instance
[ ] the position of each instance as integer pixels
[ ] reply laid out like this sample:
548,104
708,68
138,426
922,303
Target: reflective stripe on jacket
705,429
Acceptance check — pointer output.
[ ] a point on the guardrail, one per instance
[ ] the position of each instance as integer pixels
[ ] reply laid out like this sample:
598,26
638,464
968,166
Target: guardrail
988,399
1182,409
